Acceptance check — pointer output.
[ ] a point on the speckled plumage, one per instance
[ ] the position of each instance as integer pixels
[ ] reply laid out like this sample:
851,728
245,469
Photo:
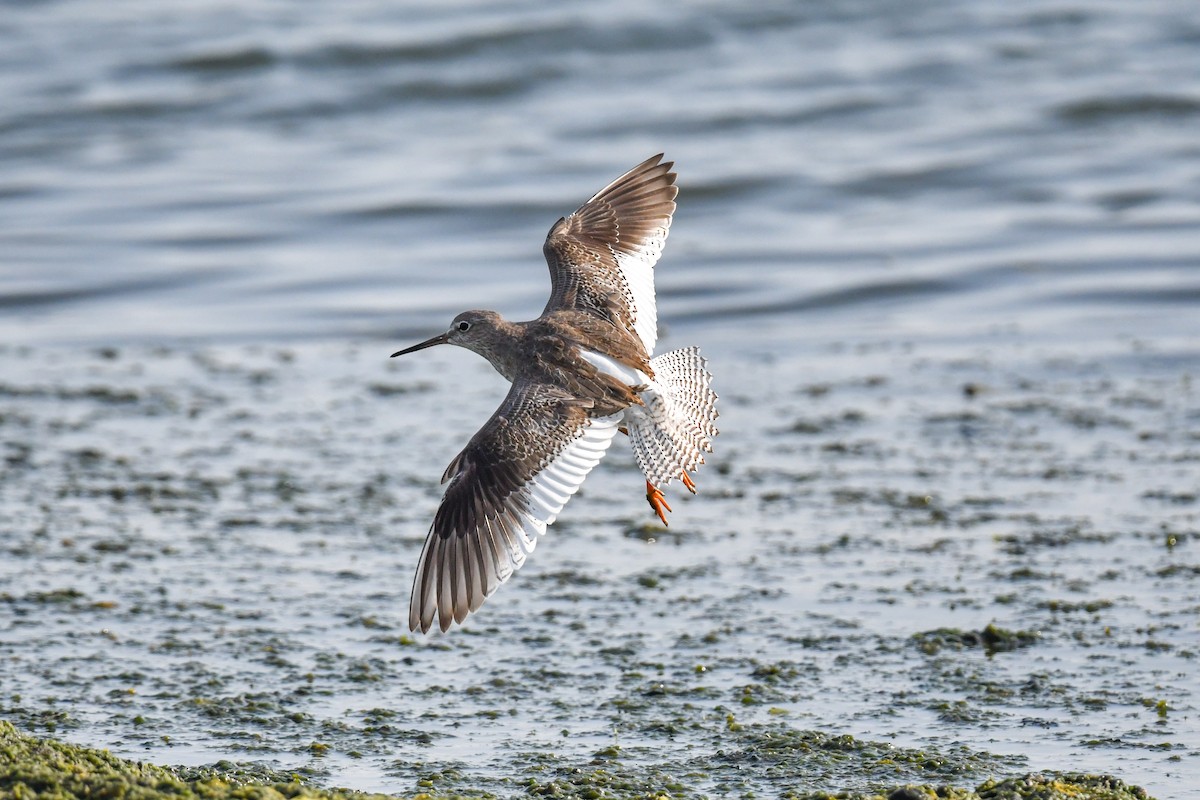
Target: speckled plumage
580,373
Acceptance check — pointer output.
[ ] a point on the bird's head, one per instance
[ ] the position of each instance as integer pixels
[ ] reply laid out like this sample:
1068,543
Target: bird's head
473,330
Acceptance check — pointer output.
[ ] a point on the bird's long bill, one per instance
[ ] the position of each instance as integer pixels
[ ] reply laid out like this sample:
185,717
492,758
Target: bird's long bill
439,339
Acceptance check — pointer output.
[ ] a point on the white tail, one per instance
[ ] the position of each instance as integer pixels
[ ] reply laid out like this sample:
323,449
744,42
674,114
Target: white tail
671,434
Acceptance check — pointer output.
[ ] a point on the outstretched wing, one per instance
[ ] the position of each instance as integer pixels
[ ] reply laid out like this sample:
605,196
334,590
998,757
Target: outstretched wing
602,257
505,487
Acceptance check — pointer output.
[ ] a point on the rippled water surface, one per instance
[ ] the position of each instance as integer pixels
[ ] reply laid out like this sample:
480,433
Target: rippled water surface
944,260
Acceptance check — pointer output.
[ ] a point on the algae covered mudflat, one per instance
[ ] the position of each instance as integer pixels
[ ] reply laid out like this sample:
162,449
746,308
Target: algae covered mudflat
33,767
907,565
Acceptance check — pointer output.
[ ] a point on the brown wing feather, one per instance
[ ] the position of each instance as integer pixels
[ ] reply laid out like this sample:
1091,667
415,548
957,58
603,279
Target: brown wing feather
494,508
602,257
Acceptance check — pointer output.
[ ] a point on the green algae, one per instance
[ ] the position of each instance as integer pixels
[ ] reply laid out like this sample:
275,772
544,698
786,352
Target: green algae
45,769
993,639
37,768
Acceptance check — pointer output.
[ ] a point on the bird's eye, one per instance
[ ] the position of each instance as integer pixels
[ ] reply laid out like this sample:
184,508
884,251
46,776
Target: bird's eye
463,326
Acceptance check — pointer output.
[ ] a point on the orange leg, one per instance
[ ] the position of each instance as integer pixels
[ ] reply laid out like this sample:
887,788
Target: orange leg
656,500
687,481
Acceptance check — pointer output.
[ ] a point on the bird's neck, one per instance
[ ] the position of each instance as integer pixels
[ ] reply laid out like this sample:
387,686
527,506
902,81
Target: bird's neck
503,348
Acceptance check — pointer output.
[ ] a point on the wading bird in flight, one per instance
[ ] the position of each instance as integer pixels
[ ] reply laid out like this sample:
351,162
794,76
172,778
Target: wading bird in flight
581,372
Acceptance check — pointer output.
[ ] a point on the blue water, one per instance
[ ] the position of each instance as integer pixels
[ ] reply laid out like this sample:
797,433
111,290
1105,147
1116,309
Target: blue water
271,171
900,194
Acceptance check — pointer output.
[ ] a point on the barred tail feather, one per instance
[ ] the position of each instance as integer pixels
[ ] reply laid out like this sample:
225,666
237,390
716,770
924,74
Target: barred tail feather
673,431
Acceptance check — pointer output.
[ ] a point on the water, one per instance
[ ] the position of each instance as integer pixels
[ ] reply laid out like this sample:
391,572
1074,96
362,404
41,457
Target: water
932,250
267,171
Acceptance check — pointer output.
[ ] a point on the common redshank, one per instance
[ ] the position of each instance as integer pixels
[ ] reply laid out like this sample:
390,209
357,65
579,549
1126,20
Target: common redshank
580,373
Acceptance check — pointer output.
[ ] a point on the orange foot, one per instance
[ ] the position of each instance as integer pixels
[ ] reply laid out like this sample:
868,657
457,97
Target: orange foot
687,481
657,501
